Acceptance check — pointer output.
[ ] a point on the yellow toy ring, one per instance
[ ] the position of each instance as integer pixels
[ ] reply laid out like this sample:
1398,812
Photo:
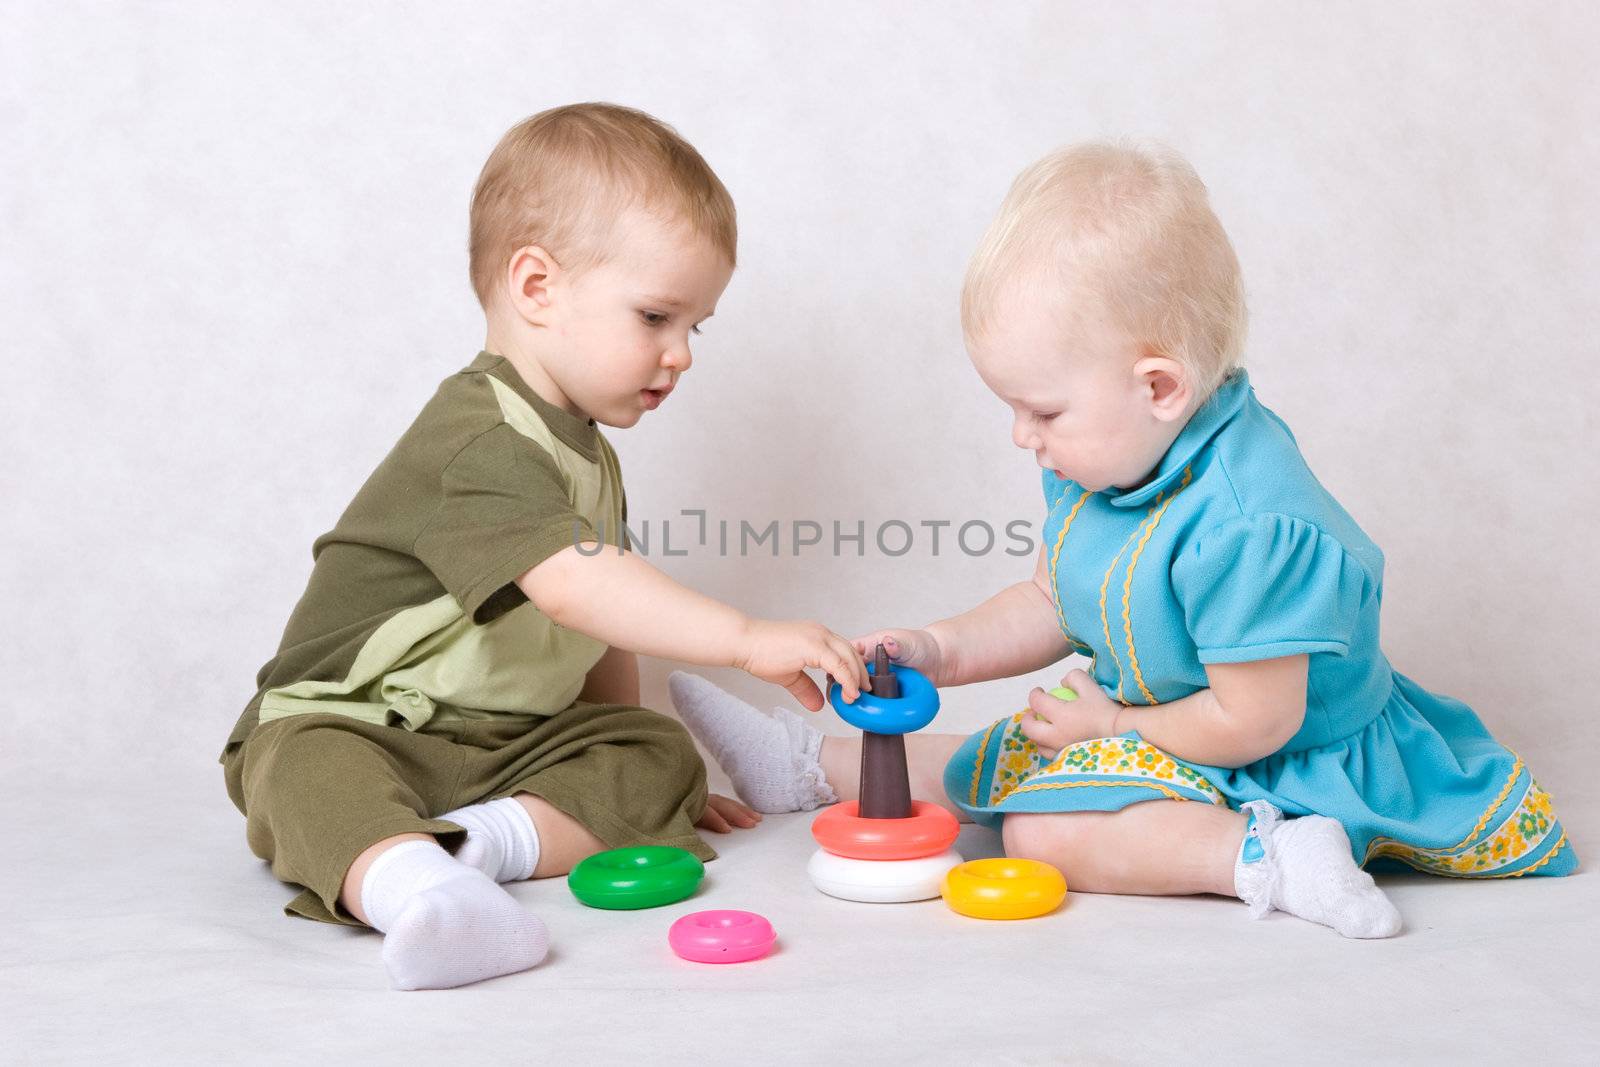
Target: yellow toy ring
1004,888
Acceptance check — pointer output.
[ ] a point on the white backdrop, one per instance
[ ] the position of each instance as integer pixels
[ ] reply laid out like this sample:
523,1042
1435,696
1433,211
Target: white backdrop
234,267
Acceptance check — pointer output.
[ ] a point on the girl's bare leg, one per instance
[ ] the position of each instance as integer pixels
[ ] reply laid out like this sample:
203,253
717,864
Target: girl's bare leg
1156,848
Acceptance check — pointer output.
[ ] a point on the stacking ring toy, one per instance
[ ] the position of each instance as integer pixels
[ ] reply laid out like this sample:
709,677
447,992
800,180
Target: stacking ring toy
721,936
913,709
1004,888
643,877
880,882
842,831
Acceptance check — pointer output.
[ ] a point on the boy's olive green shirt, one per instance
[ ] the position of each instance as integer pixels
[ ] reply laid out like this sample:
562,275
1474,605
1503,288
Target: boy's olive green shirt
412,611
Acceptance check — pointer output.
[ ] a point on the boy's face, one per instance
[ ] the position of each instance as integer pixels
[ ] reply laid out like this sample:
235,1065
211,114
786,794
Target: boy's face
1078,403
618,334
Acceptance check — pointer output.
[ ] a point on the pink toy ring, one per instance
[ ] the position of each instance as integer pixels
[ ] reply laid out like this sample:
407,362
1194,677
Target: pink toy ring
929,831
721,936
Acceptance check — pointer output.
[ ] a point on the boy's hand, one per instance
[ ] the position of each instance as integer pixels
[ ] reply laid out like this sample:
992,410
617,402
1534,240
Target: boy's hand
722,814
1054,724
780,652
916,649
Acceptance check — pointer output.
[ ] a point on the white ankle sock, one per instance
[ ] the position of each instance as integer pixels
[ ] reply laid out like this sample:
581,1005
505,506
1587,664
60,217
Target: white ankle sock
501,839
1304,867
444,923
772,759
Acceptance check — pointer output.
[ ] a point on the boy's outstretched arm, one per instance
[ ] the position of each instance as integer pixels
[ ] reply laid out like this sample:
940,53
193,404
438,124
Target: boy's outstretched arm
1013,632
620,599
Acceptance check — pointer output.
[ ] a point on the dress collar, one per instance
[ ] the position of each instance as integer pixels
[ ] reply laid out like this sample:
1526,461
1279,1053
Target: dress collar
1202,426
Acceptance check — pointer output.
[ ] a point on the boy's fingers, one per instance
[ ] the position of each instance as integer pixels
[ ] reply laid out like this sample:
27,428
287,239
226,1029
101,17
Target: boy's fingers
859,660
803,689
712,820
737,813
846,667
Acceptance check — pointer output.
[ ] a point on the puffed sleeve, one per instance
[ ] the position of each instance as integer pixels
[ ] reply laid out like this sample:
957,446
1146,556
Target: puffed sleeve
1266,586
505,509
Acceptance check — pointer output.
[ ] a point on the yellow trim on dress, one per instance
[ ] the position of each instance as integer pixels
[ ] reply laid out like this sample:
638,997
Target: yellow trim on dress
1055,560
1137,784
1105,624
977,768
1525,828
1127,589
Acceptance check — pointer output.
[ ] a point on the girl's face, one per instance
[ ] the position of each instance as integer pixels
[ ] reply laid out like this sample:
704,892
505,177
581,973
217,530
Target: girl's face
1087,400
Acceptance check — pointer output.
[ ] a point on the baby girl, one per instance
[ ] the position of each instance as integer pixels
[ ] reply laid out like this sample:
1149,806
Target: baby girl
1238,729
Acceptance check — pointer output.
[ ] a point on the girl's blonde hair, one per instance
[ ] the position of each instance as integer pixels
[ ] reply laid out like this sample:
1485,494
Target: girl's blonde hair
1132,227
560,179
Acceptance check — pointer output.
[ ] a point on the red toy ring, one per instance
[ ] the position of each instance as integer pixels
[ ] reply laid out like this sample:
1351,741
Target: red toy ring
929,831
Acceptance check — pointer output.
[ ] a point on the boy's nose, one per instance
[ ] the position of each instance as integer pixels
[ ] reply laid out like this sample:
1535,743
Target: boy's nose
1023,436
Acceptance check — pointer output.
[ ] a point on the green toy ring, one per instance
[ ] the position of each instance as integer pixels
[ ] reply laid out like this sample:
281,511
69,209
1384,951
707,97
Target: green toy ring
644,877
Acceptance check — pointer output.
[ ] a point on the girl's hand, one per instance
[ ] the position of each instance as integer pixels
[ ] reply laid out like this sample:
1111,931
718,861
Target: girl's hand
1055,724
780,652
909,648
722,814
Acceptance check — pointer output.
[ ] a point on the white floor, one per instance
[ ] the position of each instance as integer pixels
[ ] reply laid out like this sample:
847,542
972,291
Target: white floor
138,928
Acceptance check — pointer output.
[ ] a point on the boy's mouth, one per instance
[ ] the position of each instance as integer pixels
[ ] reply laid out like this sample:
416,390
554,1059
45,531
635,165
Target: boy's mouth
650,399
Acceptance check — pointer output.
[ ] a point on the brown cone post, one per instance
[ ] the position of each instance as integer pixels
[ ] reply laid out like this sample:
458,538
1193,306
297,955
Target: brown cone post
885,783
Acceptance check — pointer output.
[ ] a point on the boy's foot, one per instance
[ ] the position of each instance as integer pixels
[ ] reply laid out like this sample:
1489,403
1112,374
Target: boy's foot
1304,867
445,924
773,760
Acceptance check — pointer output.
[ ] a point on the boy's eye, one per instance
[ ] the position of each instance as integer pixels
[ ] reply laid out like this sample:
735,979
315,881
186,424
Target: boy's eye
1045,416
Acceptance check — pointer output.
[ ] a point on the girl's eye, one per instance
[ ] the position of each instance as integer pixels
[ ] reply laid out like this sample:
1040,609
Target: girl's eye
653,318
694,330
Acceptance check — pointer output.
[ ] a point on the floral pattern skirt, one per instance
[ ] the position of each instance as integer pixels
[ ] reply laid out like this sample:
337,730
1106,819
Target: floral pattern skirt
1423,785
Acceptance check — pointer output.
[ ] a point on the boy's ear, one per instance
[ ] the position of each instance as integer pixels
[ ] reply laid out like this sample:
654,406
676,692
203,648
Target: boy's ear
1167,384
530,277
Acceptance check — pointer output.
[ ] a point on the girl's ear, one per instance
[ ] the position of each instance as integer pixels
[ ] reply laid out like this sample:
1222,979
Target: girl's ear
531,276
1167,386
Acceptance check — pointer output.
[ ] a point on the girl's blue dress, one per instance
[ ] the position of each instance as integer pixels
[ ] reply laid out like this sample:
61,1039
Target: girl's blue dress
1234,552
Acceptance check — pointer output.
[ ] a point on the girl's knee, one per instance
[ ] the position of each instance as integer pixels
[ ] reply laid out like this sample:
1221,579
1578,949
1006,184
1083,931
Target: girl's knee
1042,836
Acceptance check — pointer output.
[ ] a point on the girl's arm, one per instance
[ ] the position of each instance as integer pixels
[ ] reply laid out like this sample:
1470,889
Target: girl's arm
1250,711
1013,632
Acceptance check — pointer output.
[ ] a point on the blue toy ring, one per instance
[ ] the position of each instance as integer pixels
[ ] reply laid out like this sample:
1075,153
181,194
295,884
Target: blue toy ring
913,709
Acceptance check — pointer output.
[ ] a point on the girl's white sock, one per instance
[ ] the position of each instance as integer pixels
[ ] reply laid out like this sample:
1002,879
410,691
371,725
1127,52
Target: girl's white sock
773,760
502,841
1304,867
445,924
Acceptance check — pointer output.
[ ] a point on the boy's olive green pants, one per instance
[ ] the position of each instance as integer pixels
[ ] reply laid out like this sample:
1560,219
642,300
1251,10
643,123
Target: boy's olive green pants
317,790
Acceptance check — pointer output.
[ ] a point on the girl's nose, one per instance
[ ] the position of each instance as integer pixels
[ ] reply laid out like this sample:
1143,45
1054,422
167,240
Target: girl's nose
678,358
1023,435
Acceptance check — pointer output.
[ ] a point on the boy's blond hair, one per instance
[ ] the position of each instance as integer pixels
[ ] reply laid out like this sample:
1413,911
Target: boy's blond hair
560,179
1128,225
